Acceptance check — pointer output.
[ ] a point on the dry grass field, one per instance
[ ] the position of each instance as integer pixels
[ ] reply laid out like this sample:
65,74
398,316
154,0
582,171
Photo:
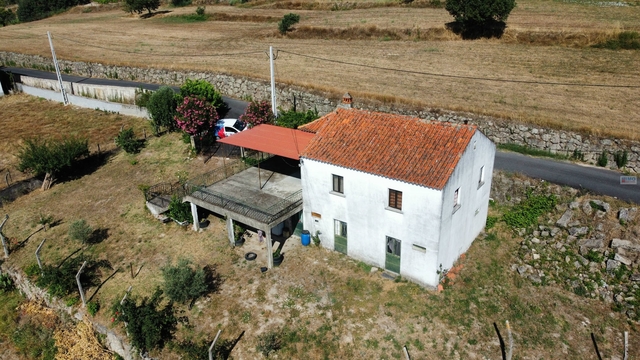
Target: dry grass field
542,71
328,306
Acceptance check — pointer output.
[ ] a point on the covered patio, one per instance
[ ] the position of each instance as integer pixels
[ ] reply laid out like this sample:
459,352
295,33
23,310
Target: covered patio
261,196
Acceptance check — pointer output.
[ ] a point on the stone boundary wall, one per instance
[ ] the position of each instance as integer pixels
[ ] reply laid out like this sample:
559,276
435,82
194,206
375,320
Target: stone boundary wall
112,340
499,130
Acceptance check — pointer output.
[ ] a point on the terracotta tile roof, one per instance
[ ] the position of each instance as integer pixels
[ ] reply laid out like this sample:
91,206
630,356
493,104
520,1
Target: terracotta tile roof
399,147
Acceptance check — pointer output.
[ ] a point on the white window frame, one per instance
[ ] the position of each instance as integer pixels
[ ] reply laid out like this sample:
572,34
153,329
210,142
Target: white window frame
340,191
457,201
481,180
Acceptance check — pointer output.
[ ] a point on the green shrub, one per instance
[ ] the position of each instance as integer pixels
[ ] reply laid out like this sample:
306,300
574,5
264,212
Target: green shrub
138,6
162,108
287,22
621,158
142,97
178,3
32,270
491,222
42,157
293,119
200,10
182,283
34,342
626,40
269,342
79,230
126,140
60,280
7,17
93,307
526,213
149,325
6,283
603,159
179,211
204,89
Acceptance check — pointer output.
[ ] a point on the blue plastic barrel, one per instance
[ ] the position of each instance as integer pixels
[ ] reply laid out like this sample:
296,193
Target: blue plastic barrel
306,237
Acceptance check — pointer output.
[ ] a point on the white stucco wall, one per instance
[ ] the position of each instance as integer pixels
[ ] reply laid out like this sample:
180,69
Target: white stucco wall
460,228
364,208
126,95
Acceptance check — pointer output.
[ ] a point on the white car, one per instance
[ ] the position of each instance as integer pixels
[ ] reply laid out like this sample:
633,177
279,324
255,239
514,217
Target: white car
228,127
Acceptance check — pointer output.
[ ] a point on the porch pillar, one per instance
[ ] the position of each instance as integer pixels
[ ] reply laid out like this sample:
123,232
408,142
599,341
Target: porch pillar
230,232
269,249
194,213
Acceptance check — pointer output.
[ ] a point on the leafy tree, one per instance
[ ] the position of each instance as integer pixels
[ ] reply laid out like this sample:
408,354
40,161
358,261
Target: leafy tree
195,115
149,326
50,158
126,140
205,90
476,18
79,230
287,22
30,10
258,112
182,283
139,6
61,280
162,107
293,119
7,17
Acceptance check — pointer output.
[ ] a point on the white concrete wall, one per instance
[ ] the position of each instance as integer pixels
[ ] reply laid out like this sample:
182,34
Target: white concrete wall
109,93
124,109
459,229
364,208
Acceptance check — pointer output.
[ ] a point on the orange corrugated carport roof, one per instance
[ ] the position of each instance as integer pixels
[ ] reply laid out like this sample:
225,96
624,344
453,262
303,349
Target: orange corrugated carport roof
272,139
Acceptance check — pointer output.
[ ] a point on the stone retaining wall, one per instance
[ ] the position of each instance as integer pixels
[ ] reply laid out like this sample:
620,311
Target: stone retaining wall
34,293
498,130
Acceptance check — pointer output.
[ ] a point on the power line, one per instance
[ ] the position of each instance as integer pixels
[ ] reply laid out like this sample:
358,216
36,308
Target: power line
460,76
163,55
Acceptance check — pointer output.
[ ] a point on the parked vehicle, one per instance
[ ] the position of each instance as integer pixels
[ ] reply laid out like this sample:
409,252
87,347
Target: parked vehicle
228,127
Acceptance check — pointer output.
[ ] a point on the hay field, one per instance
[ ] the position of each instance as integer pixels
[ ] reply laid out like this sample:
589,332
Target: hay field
404,55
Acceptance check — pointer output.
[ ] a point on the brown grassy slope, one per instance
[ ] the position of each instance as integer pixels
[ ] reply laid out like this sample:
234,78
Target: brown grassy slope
600,110
330,306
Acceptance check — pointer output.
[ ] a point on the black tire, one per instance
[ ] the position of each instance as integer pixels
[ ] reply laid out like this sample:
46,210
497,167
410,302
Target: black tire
250,256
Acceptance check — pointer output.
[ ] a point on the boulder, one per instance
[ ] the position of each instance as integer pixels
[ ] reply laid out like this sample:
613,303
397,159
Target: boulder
627,215
622,259
625,244
612,264
603,205
577,231
586,208
564,219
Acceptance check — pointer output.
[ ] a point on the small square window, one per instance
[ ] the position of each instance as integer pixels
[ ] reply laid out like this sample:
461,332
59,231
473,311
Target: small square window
395,199
338,184
481,180
456,200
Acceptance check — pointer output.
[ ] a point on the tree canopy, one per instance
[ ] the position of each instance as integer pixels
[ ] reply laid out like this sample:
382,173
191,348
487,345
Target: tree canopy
162,107
480,18
49,158
138,6
204,89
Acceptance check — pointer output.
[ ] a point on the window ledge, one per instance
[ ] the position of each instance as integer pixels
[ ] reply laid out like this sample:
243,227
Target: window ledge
393,209
455,208
336,193
480,184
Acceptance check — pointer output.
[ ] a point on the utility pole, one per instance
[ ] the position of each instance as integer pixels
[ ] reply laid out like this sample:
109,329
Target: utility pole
84,303
273,84
65,100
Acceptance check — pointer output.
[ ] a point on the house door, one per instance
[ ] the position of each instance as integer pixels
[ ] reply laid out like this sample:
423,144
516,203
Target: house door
392,262
340,236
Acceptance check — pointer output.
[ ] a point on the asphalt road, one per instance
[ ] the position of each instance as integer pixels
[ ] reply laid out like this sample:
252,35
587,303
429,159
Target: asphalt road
596,180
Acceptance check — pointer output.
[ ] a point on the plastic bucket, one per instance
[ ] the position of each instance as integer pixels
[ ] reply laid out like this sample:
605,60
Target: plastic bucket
305,237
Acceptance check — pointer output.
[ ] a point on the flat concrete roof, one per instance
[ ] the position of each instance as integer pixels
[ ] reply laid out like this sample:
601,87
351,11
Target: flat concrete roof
244,187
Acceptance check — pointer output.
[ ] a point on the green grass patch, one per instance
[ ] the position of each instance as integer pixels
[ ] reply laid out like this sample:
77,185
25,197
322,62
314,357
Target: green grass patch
526,150
626,40
527,212
185,19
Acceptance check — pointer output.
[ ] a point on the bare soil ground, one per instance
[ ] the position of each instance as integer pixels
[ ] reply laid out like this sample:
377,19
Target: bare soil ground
327,305
545,42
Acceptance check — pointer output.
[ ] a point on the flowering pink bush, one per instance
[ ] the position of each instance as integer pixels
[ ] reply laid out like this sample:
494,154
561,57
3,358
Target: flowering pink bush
258,112
195,115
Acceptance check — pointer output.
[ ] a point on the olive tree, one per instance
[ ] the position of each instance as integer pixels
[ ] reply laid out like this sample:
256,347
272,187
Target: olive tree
480,17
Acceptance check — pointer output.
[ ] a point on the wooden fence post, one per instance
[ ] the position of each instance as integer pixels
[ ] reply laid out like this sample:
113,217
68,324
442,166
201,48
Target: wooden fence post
212,344
38,253
84,303
3,238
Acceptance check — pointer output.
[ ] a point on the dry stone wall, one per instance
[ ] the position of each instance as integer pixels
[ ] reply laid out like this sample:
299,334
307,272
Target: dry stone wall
498,130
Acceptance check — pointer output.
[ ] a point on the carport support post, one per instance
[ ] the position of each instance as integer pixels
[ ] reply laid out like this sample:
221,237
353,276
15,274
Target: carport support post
232,235
269,249
194,213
